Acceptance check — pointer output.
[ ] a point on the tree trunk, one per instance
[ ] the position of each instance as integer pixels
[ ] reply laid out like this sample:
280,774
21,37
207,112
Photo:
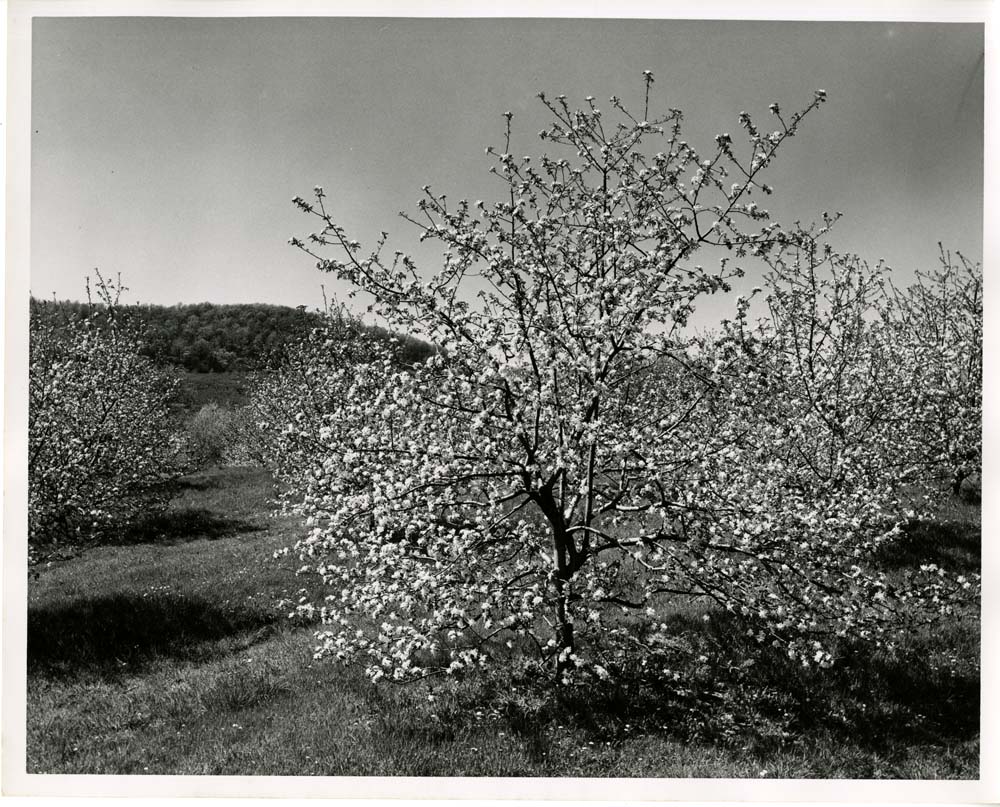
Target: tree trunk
564,628
564,617
565,558
956,483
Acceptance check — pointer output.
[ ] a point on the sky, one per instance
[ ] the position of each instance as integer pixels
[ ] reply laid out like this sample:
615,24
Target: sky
167,150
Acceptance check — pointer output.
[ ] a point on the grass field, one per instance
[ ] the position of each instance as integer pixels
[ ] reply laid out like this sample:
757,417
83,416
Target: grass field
225,389
165,654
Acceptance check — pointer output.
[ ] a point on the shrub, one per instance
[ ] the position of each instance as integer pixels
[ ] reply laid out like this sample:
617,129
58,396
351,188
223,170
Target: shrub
210,435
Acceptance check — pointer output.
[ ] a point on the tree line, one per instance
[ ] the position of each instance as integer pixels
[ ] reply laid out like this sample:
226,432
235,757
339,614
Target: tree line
214,338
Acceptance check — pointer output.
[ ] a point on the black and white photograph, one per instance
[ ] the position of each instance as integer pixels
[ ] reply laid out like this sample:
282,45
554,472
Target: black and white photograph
518,399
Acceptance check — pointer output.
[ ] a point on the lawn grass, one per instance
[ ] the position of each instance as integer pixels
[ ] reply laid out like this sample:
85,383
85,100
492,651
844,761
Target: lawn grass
166,654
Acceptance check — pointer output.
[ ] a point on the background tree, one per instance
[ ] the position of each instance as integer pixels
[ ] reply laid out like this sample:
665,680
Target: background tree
574,451
100,436
290,407
938,333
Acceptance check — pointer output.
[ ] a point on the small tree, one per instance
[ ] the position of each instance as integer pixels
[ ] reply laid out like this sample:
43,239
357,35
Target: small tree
573,451
100,440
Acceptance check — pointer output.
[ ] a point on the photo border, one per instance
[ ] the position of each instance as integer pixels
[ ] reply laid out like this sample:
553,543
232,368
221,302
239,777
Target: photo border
498,790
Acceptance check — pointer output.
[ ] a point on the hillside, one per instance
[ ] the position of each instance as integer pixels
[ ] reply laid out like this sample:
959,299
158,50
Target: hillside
215,338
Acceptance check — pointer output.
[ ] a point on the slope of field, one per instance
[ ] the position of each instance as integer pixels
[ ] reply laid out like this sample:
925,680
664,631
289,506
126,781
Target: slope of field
166,654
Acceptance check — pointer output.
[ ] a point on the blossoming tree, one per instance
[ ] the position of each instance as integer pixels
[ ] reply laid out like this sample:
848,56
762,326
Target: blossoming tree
939,339
574,457
100,439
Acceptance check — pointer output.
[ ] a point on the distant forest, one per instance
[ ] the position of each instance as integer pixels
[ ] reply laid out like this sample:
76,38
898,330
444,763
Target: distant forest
210,338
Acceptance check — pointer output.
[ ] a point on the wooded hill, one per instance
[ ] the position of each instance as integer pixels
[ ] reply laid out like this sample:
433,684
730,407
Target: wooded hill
211,338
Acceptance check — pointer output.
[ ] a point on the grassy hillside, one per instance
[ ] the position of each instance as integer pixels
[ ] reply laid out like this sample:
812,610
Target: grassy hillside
166,654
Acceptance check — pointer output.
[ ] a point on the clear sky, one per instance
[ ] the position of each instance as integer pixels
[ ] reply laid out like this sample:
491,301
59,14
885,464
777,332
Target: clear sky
168,150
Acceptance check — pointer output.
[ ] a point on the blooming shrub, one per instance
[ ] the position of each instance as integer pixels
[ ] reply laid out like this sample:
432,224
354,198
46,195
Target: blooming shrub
100,438
574,458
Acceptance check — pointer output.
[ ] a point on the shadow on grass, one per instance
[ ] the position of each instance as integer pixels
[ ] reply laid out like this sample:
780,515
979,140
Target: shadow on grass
122,633
736,693
952,545
180,526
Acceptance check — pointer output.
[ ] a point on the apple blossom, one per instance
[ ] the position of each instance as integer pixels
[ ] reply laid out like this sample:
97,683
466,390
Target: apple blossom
573,450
